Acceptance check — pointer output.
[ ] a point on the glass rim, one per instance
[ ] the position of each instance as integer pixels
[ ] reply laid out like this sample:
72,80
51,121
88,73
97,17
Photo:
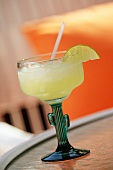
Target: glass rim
42,55
21,63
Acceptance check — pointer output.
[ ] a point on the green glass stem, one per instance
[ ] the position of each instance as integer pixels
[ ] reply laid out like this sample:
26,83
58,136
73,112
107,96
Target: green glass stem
61,123
64,150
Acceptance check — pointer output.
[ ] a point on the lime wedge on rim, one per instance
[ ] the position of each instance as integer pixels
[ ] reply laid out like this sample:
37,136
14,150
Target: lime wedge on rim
80,53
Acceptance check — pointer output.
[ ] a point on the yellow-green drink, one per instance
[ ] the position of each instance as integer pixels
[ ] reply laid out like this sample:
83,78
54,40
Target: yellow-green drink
50,80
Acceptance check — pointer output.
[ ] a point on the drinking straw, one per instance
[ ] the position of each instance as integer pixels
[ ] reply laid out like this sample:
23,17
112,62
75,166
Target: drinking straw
58,40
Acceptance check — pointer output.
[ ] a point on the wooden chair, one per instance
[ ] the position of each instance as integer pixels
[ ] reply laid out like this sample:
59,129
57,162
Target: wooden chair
19,121
28,114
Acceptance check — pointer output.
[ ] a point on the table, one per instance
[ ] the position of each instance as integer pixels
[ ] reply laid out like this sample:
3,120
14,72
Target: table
94,132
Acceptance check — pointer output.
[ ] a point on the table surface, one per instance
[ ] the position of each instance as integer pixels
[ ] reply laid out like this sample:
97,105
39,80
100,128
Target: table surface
96,135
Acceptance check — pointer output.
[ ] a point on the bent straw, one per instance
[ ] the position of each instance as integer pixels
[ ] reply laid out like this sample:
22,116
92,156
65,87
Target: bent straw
58,40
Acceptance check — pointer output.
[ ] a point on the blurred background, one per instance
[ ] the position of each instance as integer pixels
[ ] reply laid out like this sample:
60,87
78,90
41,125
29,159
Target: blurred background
13,47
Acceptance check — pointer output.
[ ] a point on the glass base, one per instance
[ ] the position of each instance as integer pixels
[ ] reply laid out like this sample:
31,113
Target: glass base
65,154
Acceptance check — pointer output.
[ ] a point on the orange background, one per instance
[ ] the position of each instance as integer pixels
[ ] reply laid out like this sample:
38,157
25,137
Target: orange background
94,27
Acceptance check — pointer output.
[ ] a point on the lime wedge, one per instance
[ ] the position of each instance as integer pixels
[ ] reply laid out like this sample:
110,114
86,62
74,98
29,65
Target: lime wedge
80,53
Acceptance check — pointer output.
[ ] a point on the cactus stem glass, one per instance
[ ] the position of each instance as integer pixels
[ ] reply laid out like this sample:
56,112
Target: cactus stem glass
64,150
52,81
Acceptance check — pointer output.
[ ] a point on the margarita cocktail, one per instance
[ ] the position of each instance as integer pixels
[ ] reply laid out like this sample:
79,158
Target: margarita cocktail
52,81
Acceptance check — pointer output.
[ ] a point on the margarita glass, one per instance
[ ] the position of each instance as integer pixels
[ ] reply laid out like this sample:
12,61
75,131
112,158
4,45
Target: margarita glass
52,81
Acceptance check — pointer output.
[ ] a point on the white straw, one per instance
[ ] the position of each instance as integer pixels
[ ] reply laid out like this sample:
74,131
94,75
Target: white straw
58,40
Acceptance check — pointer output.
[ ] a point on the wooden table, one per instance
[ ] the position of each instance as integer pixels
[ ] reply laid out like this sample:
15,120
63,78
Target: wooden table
94,132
